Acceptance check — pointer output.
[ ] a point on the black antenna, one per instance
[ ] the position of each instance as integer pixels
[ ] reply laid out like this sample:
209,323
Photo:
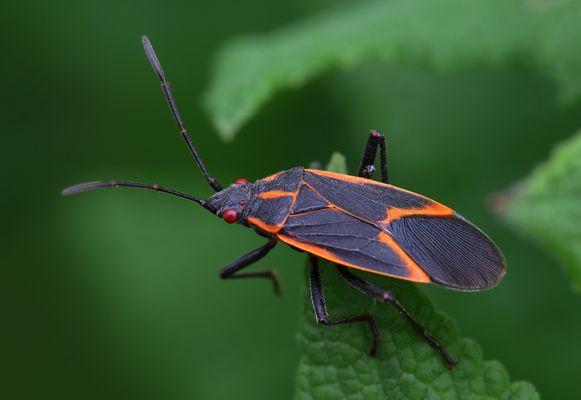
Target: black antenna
174,110
84,187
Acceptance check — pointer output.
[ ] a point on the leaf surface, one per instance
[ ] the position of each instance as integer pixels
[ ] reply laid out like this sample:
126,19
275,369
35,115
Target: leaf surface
547,207
444,35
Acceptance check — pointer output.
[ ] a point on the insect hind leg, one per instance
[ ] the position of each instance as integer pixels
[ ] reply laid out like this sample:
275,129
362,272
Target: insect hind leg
386,296
366,169
322,315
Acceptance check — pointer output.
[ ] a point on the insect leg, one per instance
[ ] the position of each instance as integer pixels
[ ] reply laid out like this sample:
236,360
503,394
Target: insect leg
230,271
320,307
366,169
387,297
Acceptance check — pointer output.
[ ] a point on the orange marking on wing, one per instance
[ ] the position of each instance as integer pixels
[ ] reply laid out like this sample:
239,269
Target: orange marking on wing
327,255
416,273
432,209
270,177
275,194
365,181
348,178
264,226
329,205
295,195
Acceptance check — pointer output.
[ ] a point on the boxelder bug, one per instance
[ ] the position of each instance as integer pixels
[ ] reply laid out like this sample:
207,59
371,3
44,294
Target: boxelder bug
354,222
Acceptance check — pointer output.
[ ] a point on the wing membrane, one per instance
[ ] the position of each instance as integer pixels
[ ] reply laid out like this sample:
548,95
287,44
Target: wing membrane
452,251
342,238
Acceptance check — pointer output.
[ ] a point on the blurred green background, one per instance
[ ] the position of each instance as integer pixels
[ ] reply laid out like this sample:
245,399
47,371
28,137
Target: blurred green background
115,294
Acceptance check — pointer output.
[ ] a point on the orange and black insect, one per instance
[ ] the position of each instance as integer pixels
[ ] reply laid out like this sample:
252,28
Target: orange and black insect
354,222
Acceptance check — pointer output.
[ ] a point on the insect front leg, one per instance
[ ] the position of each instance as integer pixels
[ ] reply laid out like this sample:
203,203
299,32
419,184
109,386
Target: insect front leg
366,169
231,271
386,296
320,307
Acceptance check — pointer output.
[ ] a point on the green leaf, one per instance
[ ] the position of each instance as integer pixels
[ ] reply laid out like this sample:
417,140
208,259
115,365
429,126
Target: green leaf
334,363
441,34
337,163
558,52
547,206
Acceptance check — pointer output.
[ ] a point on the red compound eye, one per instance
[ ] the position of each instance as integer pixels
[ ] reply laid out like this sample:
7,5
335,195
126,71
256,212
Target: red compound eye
240,181
230,215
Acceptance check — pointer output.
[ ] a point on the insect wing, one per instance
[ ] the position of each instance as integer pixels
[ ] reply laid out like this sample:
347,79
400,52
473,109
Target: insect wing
338,237
452,251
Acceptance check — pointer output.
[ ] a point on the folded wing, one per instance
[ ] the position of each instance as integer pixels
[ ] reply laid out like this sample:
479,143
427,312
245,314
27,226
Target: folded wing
341,238
452,251
386,230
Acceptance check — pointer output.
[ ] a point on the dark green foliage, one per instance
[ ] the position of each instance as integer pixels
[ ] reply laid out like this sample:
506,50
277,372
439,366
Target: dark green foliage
334,364
446,34
547,206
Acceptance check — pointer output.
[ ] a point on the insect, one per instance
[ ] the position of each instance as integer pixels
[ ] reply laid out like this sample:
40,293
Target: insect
352,221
